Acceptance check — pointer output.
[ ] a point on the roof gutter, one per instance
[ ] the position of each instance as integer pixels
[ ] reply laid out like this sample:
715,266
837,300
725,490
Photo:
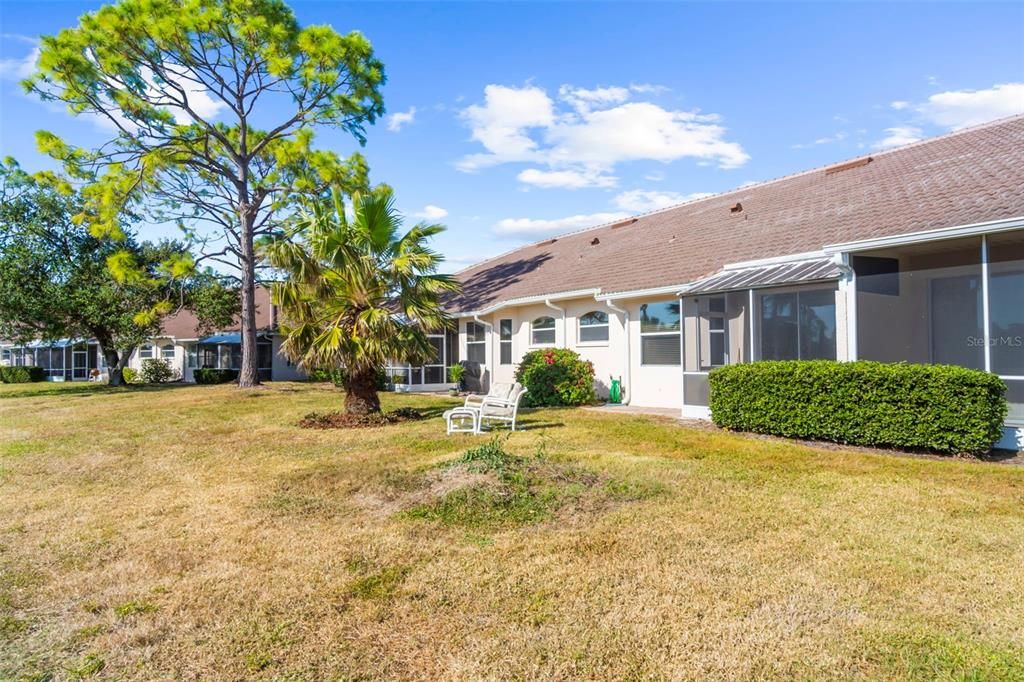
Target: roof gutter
626,385
548,303
528,300
971,230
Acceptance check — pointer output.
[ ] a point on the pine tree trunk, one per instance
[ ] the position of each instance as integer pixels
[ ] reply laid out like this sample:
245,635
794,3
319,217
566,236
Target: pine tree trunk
361,393
248,375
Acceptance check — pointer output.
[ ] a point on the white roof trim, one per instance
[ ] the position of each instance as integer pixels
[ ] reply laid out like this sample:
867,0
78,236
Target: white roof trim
971,230
639,293
776,260
528,300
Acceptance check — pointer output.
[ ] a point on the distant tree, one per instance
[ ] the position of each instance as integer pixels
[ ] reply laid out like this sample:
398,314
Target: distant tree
214,104
57,280
358,293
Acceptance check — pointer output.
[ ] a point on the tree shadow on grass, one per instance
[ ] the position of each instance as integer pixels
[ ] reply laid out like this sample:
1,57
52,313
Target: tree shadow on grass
84,390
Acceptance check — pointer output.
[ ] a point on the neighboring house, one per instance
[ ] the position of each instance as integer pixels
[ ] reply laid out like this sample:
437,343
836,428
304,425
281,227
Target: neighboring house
179,344
914,254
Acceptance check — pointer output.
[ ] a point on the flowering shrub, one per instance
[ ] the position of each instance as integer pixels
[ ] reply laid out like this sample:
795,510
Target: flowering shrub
556,376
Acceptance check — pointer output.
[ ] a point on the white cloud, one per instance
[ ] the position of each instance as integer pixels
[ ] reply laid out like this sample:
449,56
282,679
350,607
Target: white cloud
197,97
539,227
584,100
642,201
899,105
655,176
431,212
899,136
957,109
502,123
838,137
19,68
598,130
401,118
566,179
648,88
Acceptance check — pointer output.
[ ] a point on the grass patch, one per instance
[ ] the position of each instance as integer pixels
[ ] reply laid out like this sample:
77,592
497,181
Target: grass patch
379,585
89,665
517,490
588,546
134,608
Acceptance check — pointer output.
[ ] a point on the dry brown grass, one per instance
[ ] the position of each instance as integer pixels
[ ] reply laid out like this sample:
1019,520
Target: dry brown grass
199,533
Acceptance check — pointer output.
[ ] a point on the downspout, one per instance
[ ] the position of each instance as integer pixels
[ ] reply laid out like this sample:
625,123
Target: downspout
565,338
626,385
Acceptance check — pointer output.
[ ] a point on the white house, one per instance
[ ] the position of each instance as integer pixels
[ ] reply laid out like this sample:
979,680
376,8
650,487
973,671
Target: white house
914,254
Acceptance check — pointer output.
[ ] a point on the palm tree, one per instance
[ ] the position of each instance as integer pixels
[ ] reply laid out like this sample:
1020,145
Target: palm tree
358,294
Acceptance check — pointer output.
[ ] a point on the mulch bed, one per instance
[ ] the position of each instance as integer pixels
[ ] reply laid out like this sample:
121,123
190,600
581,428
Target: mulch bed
343,420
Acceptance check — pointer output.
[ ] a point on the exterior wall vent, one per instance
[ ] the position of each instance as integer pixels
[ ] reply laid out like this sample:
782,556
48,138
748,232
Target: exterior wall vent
736,208
856,163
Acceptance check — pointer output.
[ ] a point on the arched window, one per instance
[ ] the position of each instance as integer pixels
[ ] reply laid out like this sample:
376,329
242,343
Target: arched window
167,351
594,327
543,331
145,351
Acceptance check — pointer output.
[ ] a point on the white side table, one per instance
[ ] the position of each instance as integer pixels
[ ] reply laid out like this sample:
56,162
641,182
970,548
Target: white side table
463,420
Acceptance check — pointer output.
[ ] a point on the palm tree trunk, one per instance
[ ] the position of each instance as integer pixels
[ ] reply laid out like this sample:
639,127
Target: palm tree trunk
361,393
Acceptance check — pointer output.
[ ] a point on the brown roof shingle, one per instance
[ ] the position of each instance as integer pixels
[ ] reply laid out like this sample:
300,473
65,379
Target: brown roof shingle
184,325
969,176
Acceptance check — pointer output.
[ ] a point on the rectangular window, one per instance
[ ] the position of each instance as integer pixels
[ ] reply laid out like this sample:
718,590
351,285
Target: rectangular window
660,342
505,341
146,352
192,355
476,343
798,325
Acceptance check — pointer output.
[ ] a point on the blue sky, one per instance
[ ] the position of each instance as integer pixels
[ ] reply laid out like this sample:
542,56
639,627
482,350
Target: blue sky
512,122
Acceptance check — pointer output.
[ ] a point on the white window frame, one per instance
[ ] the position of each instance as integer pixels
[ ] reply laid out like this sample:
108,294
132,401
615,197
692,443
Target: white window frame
502,342
482,342
163,352
722,315
580,326
677,332
146,351
534,343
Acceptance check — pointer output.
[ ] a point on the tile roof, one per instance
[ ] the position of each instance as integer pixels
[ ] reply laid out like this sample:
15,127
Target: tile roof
184,325
969,176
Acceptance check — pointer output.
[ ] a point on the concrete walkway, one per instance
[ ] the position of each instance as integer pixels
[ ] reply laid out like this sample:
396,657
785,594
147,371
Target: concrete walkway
671,412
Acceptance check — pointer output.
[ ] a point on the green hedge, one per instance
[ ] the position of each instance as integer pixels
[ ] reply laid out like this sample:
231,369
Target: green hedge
920,407
21,375
214,376
556,376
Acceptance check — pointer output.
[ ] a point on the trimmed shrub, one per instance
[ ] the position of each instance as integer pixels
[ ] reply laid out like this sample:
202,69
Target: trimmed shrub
208,375
156,371
129,375
22,375
941,408
338,376
556,376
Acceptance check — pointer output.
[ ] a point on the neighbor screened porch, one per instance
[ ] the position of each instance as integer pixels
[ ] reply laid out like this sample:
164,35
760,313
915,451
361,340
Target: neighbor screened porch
224,351
956,302
61,360
432,374
774,312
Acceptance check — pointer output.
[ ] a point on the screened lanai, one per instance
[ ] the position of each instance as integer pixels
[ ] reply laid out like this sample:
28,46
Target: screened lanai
62,359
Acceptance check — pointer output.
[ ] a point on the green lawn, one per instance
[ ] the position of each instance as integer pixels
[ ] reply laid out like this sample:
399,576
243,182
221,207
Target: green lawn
198,533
